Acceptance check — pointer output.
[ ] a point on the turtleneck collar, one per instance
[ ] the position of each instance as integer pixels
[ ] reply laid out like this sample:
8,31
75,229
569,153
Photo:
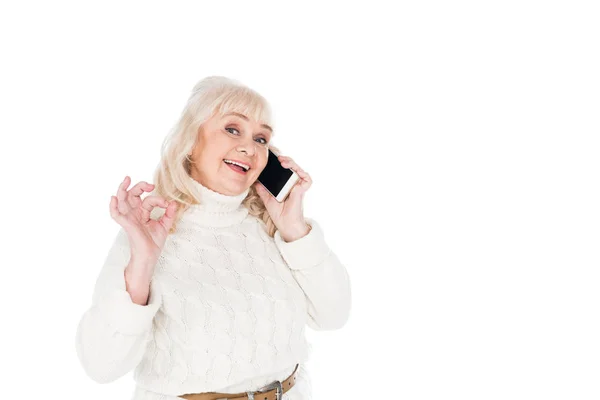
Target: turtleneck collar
215,209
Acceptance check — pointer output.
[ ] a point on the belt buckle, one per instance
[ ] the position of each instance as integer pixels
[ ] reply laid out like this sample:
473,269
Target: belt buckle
274,385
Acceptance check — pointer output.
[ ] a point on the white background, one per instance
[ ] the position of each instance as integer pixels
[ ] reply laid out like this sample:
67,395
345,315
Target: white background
453,147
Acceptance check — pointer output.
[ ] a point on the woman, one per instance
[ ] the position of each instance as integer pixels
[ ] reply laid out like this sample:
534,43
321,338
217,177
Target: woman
210,282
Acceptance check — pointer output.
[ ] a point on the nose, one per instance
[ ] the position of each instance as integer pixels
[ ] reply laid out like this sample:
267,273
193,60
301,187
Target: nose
248,147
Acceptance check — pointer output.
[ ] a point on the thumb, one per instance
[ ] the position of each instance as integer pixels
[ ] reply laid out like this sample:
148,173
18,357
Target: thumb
262,192
169,216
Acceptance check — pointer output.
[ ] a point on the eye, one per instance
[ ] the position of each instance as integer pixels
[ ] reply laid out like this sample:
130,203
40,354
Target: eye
260,140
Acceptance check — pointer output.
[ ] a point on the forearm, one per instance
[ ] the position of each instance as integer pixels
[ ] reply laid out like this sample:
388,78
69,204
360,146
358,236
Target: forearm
104,351
296,232
323,278
113,332
137,280
328,293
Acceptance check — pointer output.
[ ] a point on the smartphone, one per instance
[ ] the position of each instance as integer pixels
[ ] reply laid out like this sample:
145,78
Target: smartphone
278,180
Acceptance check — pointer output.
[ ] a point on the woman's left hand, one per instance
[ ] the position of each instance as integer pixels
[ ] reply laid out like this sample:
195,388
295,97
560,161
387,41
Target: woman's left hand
288,216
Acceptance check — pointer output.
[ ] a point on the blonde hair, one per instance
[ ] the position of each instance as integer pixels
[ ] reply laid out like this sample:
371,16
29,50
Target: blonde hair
212,95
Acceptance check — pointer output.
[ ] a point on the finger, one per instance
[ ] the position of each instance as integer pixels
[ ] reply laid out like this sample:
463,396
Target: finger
288,162
304,183
263,193
116,214
297,192
284,159
260,190
133,194
148,205
303,174
296,168
122,204
305,179
169,216
140,188
113,209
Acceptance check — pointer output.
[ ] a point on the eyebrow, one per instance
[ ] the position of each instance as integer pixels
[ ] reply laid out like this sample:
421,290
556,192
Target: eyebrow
246,118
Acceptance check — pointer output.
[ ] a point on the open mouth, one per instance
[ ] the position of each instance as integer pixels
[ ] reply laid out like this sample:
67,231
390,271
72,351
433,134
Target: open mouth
237,167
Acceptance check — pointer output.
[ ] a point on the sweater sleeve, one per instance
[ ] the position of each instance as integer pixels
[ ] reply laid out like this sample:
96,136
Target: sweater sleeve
113,333
321,275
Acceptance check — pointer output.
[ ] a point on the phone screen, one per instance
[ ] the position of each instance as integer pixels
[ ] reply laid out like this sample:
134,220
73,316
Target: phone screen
274,176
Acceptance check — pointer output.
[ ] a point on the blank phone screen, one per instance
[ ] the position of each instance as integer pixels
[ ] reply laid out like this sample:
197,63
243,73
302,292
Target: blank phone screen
274,176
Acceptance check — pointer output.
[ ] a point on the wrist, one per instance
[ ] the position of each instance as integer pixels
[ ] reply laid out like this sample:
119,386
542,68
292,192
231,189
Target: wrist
295,232
138,289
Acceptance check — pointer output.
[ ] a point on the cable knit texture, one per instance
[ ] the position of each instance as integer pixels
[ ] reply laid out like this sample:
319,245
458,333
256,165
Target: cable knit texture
227,309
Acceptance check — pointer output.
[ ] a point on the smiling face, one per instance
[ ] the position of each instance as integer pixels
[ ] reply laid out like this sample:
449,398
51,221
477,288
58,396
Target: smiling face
227,140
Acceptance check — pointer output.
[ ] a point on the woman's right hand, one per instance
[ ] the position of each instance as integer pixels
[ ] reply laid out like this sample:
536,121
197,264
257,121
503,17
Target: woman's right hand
146,236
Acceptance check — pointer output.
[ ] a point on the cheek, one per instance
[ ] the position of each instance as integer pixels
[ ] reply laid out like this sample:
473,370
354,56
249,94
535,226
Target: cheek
220,142
210,160
262,163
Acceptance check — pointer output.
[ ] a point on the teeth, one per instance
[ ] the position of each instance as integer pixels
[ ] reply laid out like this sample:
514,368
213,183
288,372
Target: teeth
246,168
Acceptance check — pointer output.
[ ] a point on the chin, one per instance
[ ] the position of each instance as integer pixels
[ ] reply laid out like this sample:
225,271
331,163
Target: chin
235,190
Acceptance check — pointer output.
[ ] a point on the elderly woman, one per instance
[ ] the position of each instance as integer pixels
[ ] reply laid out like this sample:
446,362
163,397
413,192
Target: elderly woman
211,281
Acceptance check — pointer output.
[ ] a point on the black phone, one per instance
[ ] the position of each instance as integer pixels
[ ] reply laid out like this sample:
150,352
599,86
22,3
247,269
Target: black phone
278,180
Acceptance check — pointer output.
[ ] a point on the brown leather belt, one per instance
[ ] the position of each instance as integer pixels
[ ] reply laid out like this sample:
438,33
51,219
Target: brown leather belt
272,391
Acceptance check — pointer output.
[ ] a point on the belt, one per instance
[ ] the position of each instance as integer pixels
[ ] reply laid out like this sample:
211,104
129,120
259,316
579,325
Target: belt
272,391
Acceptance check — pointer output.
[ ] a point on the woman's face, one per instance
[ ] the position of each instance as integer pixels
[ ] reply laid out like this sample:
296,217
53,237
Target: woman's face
225,139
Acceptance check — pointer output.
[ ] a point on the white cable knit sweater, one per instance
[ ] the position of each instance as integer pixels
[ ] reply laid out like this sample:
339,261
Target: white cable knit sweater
227,309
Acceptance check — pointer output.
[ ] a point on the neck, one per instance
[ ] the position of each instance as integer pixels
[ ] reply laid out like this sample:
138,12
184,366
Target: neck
215,209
